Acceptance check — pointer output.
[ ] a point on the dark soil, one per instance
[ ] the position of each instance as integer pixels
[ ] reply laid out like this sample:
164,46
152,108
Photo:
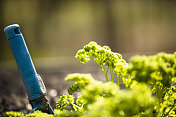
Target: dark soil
13,95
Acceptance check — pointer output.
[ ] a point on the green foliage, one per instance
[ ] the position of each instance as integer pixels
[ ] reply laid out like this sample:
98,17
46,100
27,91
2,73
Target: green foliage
169,104
98,90
153,69
64,101
159,72
35,114
106,99
104,57
13,114
137,102
81,80
38,114
150,87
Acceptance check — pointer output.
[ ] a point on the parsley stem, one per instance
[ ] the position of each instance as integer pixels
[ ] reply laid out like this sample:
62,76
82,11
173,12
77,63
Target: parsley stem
112,77
104,71
118,80
107,72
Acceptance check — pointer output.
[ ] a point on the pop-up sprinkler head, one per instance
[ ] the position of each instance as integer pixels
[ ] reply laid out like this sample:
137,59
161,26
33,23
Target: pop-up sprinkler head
34,85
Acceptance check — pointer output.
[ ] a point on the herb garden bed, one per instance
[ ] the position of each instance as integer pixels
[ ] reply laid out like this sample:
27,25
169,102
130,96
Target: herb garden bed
149,80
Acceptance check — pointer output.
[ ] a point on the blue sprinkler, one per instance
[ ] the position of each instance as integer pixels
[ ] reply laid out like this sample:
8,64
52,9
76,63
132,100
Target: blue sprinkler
34,85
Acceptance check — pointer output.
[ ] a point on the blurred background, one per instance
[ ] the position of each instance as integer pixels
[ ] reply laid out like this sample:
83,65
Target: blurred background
55,30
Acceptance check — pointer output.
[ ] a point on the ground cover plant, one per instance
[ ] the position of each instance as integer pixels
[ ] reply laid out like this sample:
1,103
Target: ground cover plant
149,80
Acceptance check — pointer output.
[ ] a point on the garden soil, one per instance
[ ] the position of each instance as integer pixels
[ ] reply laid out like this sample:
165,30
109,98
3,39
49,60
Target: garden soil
13,96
